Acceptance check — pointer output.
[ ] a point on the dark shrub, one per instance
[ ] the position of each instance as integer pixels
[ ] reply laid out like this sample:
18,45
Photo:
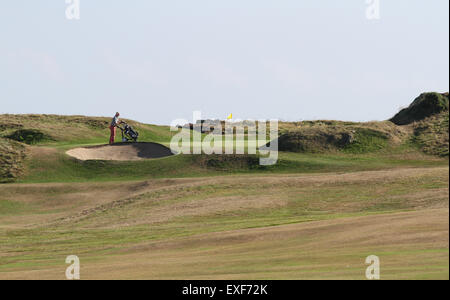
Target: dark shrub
29,136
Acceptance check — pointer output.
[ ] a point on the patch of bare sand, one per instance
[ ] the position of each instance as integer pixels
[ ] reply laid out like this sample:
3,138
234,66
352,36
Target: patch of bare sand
121,152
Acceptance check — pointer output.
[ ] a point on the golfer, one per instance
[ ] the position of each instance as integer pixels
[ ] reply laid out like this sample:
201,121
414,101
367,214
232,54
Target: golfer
114,123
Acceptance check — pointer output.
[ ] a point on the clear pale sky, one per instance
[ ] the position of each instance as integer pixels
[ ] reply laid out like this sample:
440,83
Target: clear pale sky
155,61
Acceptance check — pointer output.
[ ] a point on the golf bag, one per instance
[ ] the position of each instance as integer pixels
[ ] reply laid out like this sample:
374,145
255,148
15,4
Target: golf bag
128,133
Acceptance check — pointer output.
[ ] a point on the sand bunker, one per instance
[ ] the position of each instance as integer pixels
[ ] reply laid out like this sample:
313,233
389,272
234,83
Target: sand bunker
123,151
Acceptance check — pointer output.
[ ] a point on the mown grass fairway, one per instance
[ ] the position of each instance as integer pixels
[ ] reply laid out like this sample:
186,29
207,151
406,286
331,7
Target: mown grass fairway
232,227
313,215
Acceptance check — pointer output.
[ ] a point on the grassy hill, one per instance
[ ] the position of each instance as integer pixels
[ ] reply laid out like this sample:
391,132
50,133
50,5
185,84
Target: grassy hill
424,125
340,191
32,149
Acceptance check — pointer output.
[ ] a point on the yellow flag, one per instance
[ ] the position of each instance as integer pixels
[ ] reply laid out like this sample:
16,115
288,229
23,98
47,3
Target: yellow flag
230,117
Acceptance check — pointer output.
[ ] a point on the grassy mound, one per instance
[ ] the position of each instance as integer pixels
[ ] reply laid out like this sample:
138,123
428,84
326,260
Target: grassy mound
12,155
314,140
432,135
332,136
426,105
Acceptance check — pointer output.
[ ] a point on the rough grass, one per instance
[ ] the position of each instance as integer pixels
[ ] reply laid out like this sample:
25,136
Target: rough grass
12,155
432,135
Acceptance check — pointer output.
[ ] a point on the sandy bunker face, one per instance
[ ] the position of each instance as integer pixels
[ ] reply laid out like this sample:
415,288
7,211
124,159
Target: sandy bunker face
123,151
